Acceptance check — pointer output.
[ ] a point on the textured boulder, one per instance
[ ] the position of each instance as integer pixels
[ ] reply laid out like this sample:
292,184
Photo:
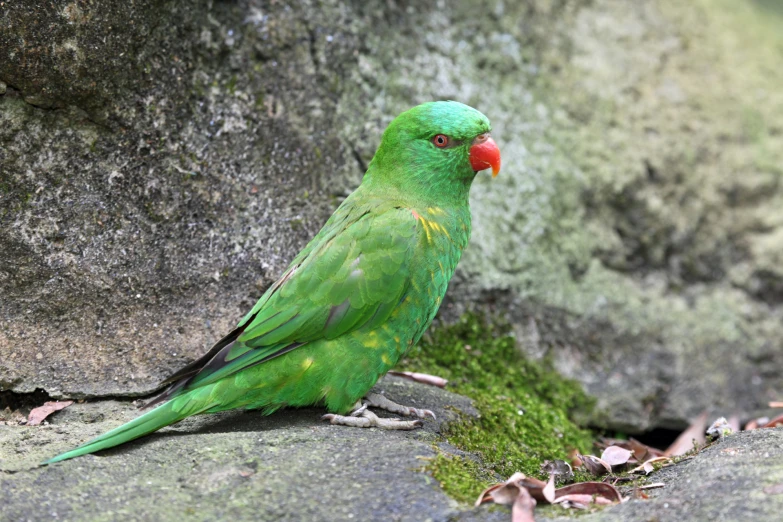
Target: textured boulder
161,163
738,478
238,466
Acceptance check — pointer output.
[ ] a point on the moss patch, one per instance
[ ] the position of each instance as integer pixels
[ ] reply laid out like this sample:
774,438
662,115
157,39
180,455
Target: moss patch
525,406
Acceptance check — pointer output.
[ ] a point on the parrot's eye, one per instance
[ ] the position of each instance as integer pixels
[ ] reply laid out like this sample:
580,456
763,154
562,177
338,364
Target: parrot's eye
441,141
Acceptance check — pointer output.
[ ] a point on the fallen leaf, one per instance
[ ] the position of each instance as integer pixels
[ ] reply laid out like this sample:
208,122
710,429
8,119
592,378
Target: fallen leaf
647,466
777,421
756,423
424,378
522,510
582,500
641,451
685,442
37,415
595,465
525,492
508,492
549,489
599,490
616,456
572,504
485,496
537,489
505,493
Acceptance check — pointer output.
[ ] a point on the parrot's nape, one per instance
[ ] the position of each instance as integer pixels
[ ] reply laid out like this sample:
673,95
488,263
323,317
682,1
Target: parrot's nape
356,298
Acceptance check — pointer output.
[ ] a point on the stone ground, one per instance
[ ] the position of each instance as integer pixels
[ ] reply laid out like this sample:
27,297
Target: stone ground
293,466
237,465
162,162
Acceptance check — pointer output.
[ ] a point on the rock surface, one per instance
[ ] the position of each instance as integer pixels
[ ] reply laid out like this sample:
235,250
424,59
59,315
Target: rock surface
237,466
293,466
160,162
738,478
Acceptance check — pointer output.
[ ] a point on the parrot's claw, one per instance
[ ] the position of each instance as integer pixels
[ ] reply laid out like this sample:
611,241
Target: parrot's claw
361,417
377,400
359,409
368,419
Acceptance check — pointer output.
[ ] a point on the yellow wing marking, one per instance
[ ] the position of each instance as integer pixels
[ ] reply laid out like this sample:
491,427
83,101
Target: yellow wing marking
426,224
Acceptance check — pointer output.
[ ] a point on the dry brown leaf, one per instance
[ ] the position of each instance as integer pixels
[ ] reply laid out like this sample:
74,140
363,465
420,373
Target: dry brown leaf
616,456
641,451
536,488
595,465
522,510
524,492
601,490
684,442
40,413
424,378
777,421
515,492
756,423
581,501
549,490
485,496
505,493
647,466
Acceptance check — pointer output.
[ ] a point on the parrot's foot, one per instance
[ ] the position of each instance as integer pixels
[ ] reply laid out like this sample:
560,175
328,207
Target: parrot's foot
377,400
361,417
367,419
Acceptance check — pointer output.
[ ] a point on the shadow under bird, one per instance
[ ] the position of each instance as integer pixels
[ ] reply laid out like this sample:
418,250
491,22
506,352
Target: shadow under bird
356,298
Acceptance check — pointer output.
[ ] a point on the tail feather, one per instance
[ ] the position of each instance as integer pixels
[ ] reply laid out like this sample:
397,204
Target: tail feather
153,420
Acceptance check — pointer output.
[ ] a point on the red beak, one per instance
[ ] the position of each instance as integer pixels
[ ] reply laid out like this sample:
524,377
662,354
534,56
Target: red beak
484,154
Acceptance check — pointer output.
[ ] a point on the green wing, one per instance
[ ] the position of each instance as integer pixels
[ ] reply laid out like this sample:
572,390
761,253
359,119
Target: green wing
352,275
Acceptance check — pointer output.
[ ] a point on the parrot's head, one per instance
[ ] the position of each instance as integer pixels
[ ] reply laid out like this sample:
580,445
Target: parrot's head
436,147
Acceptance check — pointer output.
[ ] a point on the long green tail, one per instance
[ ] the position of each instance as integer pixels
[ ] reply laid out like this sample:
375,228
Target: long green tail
164,415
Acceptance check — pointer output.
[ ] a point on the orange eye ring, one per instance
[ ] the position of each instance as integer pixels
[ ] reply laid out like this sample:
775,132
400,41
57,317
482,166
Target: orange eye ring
441,141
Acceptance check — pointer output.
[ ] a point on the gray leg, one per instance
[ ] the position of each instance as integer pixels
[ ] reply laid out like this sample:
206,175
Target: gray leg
376,400
367,419
361,417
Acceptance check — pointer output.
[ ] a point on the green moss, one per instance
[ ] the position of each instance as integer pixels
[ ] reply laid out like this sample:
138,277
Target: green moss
232,85
525,407
460,477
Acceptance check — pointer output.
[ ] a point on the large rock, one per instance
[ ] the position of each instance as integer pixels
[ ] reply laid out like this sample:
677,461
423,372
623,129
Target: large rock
237,466
737,478
161,163
293,466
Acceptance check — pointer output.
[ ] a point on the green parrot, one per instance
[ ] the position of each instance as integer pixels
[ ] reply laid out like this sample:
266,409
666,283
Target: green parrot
356,298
